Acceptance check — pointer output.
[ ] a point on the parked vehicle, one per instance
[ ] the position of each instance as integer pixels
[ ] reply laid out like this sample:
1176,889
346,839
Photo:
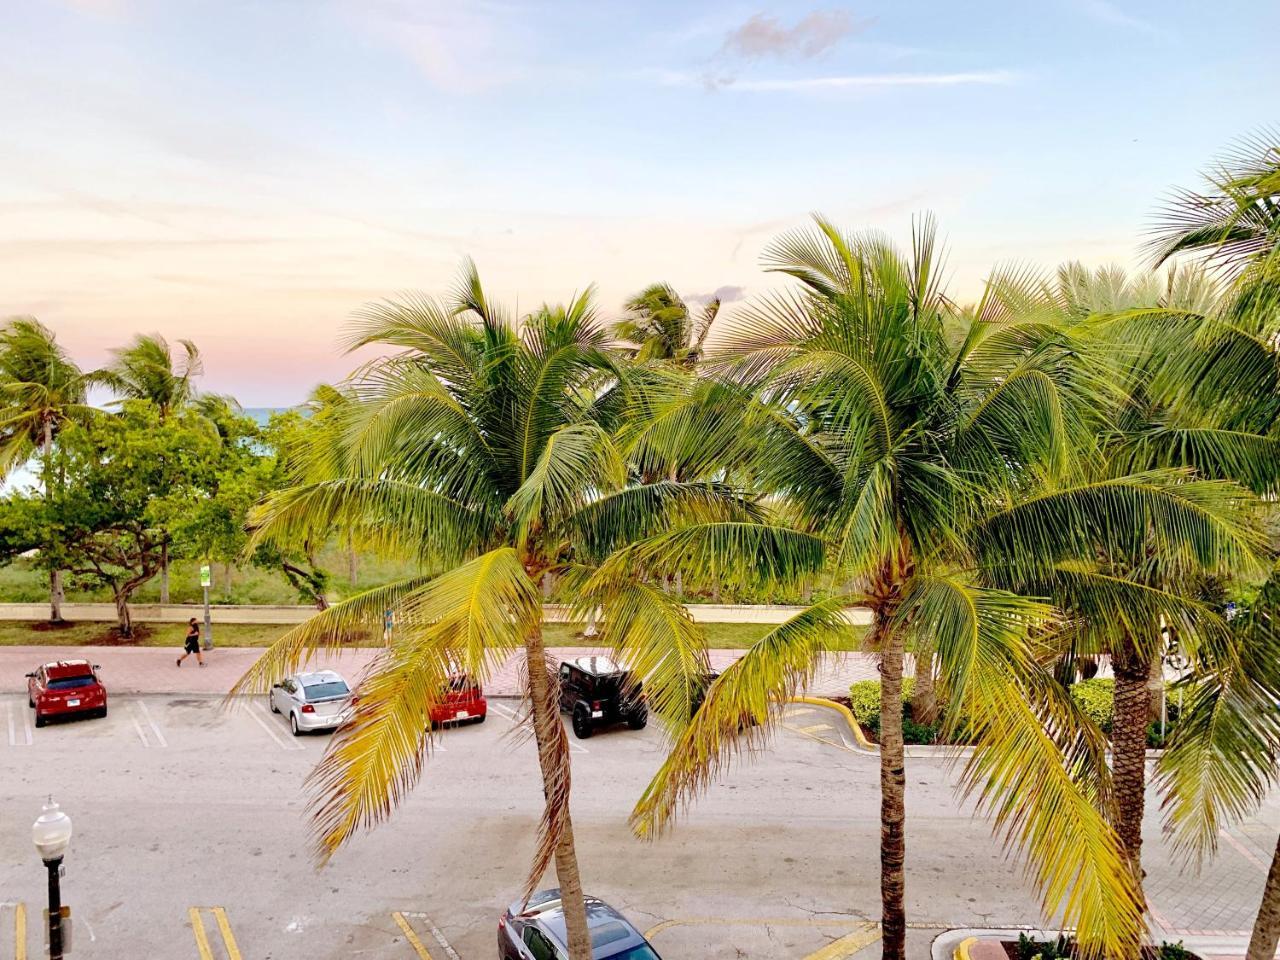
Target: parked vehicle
536,931
65,688
700,695
463,702
595,691
313,701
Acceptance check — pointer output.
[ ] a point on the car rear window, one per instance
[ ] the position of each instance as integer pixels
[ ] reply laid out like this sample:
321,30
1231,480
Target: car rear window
608,933
70,683
323,691
642,952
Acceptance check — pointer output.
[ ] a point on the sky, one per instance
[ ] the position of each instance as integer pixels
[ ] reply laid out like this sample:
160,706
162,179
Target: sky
247,173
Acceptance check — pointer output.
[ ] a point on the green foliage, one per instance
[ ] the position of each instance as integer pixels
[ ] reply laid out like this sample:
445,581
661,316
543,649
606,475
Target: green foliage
864,702
1095,697
1175,951
1029,948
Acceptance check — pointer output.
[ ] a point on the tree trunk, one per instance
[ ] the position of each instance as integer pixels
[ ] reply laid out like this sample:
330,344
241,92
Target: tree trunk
1129,756
546,722
124,617
164,570
924,699
1266,928
893,811
56,596
1155,690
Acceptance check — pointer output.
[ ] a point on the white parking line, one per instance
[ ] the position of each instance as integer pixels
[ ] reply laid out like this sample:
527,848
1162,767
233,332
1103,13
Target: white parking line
256,710
511,715
17,739
435,932
146,716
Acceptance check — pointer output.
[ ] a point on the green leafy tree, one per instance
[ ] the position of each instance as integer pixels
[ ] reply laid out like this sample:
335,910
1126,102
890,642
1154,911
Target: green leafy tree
129,478
41,391
484,448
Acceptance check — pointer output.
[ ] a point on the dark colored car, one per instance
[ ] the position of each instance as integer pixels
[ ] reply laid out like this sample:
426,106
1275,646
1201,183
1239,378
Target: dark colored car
747,720
536,931
66,687
595,691
463,702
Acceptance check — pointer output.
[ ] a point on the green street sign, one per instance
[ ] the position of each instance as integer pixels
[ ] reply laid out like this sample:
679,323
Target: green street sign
206,575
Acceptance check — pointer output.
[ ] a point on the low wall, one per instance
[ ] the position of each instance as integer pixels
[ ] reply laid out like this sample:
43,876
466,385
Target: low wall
264,613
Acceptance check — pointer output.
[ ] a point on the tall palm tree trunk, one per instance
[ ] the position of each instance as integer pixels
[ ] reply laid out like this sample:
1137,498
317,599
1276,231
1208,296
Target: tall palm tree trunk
1266,927
1129,755
164,571
893,810
546,718
56,594
924,699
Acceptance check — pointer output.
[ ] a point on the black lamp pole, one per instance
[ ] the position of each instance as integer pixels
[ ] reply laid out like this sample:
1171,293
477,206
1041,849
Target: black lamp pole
55,908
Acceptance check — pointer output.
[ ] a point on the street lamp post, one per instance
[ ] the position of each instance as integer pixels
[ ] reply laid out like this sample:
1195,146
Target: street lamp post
51,834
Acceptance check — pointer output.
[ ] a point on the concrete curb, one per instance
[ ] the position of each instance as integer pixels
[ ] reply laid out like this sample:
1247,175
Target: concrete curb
955,944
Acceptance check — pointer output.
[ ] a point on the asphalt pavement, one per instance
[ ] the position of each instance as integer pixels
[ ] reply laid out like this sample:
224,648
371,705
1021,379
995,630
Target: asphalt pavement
191,841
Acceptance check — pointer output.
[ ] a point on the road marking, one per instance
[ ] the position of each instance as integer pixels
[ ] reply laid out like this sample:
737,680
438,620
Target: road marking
435,932
19,931
224,930
255,715
574,747
412,937
830,743
848,945
799,711
16,738
142,737
815,728
197,928
759,922
1244,851
146,716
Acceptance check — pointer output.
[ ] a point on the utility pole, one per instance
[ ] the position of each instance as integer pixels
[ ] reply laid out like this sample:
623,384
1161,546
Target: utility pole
206,581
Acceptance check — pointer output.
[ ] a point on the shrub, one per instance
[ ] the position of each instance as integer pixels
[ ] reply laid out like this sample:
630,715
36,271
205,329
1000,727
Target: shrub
1096,697
1175,951
864,700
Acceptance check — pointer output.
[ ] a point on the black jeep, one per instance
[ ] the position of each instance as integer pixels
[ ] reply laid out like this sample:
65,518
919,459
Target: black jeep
595,691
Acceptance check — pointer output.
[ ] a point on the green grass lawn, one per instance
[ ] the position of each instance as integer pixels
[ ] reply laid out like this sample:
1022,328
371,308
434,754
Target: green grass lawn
720,636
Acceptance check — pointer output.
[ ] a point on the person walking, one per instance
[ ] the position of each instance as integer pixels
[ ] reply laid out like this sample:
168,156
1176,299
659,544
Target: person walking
193,643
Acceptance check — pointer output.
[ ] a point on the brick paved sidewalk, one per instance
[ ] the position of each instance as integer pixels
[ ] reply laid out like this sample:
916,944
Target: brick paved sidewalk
152,669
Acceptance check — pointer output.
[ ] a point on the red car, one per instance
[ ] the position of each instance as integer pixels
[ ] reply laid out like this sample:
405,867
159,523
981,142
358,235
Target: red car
463,702
66,687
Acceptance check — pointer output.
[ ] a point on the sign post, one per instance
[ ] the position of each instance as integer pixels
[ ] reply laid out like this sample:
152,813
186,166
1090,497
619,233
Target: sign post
206,581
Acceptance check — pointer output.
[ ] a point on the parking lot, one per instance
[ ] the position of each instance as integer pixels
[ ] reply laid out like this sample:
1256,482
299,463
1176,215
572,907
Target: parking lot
191,842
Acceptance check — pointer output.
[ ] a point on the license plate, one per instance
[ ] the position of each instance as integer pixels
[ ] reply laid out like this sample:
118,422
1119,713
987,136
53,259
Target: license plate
597,713
73,703
461,715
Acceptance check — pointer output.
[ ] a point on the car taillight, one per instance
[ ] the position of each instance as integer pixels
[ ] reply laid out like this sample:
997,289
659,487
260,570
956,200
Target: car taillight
595,704
308,708
502,923
354,700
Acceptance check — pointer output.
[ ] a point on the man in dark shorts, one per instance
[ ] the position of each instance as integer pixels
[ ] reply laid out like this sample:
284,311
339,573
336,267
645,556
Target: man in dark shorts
193,643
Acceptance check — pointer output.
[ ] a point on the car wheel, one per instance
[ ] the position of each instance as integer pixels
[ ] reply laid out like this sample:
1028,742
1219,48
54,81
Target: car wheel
30,703
581,723
272,702
293,725
638,720
40,720
480,719
102,712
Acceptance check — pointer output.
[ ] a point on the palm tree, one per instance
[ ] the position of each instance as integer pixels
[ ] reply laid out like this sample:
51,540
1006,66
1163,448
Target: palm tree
1142,337
147,370
661,326
1235,222
41,389
484,449
935,475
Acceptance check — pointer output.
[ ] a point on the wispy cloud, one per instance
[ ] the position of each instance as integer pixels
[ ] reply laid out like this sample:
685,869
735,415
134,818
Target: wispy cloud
833,83
726,294
1105,11
816,33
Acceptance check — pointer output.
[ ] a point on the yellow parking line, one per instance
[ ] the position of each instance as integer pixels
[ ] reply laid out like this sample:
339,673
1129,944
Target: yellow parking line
20,931
816,727
848,945
228,940
831,743
197,928
412,937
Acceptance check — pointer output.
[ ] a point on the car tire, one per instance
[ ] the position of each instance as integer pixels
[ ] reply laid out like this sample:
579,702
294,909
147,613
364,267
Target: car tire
40,720
271,701
293,725
480,719
30,703
102,712
581,723
638,720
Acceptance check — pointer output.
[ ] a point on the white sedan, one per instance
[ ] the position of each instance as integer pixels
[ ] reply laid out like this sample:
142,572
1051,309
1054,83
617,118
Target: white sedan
313,701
